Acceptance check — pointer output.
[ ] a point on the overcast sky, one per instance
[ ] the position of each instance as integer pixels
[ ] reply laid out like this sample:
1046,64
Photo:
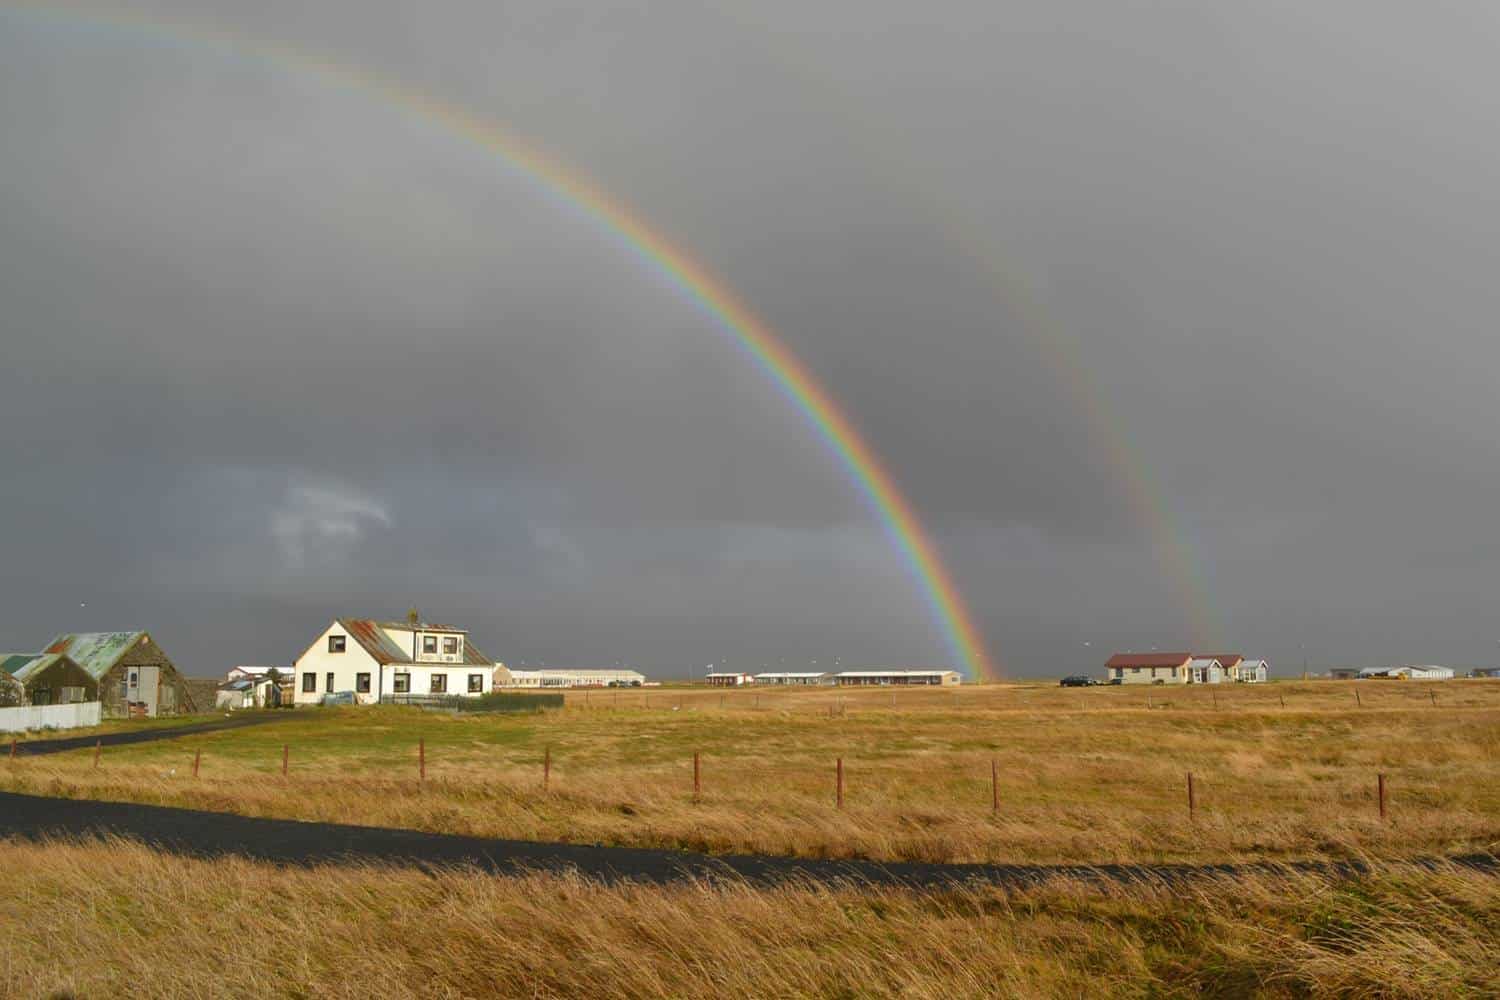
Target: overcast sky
1175,322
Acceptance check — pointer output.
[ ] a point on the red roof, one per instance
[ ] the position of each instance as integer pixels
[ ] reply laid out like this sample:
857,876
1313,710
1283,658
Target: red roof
1226,660
1147,660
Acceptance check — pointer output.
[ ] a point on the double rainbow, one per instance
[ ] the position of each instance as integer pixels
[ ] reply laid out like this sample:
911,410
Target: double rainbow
752,336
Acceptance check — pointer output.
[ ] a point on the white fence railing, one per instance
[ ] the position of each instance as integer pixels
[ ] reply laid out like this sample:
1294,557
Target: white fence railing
71,716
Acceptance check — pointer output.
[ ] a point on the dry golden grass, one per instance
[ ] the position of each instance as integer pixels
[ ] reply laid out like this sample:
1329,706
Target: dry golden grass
1085,775
114,919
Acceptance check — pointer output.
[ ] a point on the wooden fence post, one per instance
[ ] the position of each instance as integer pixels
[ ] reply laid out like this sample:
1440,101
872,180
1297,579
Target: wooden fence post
1216,699
994,787
284,757
1357,699
1283,699
839,764
421,758
12,748
1433,695
197,758
697,778
547,768
1192,797
98,746
1380,793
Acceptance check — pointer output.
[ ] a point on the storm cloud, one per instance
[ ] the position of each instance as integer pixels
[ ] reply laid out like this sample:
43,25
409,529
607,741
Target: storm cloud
1089,277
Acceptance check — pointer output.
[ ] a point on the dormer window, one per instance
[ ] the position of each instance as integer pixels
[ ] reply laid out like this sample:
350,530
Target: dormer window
429,644
450,644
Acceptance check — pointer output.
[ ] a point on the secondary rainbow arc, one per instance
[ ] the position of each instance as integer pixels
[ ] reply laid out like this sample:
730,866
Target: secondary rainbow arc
946,605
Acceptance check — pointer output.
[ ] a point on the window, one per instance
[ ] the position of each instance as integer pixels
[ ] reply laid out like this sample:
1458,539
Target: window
336,643
1135,670
476,683
439,684
401,683
72,694
309,683
328,681
362,683
450,644
429,644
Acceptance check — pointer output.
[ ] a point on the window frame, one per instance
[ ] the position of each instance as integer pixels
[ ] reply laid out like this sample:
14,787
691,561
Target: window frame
362,682
338,643
401,683
476,683
309,682
437,684
429,645
328,682
450,645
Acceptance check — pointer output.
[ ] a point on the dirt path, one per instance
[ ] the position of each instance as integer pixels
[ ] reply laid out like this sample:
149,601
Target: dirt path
143,735
208,834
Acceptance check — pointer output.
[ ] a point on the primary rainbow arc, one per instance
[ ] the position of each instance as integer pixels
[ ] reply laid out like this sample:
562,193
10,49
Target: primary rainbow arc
751,335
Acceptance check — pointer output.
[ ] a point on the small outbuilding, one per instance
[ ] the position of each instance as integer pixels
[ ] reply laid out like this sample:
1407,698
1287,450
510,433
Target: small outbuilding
134,677
46,679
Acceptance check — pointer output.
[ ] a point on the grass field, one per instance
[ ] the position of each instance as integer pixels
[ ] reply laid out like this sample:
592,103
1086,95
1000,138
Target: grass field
1282,771
115,919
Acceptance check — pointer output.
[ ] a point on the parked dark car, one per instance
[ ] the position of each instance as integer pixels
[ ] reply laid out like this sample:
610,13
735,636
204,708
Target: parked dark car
1075,681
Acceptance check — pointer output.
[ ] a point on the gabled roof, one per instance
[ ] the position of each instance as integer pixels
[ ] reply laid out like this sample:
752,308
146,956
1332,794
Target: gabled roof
24,666
1206,661
371,635
423,627
1130,660
95,652
1226,660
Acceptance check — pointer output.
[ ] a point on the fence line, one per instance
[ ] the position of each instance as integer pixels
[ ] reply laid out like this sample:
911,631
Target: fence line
69,716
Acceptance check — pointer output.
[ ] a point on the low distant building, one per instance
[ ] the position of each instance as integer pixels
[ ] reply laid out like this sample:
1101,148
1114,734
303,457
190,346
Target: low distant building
723,679
1343,673
1485,672
562,677
1149,668
254,690
1409,672
898,678
804,679
44,679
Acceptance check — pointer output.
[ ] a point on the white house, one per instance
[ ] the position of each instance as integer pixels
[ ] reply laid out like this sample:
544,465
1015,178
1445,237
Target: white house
1252,671
1205,670
371,660
1149,668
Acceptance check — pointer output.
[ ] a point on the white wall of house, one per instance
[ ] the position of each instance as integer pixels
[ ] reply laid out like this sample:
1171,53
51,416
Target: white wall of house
1149,675
332,672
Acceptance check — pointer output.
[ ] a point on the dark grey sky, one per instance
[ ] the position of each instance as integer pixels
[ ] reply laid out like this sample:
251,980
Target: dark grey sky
276,350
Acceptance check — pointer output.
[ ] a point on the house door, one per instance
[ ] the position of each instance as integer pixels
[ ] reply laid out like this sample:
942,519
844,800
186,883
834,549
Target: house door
144,686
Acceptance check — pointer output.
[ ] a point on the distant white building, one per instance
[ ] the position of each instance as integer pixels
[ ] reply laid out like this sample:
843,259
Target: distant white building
506,677
370,660
804,679
899,678
1410,672
722,679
